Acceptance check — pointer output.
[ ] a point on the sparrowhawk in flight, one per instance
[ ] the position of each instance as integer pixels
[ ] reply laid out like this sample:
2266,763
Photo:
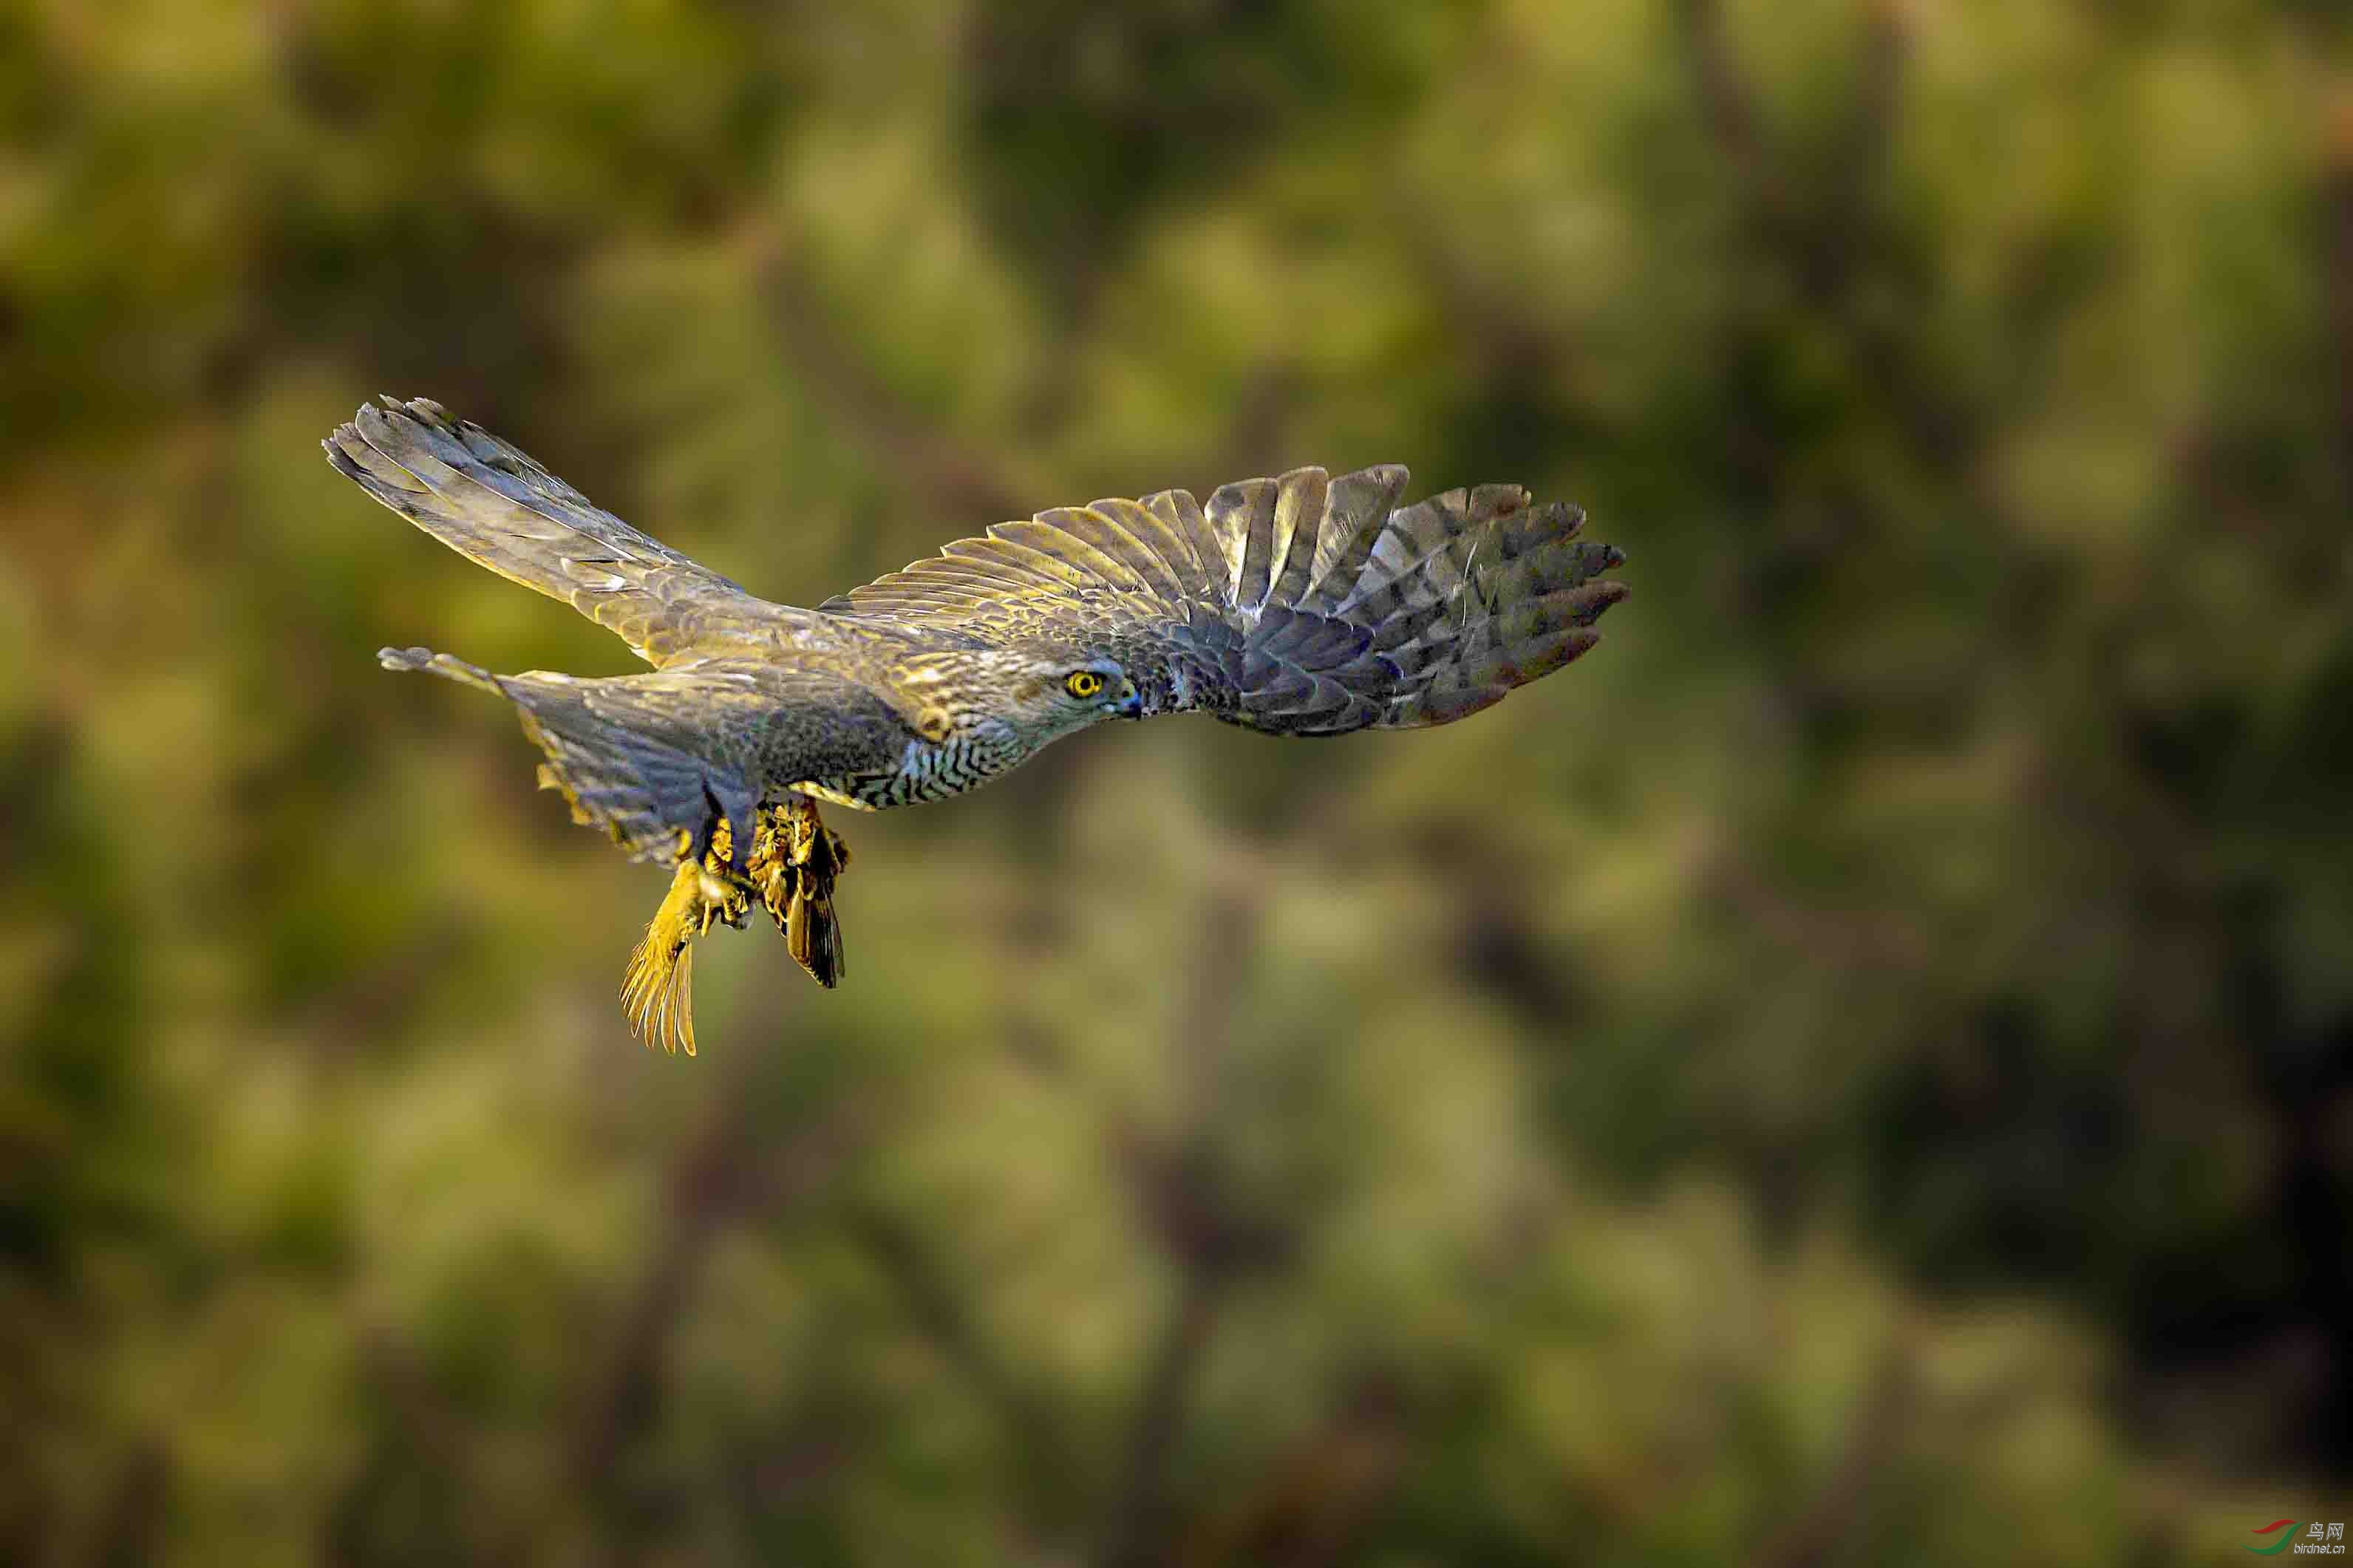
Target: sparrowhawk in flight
1297,605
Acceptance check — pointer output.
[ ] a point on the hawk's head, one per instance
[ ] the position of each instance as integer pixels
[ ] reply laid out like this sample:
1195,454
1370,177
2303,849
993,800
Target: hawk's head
1022,695
1050,692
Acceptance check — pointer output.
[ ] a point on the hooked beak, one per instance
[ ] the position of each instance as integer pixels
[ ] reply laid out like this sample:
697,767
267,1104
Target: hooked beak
1131,702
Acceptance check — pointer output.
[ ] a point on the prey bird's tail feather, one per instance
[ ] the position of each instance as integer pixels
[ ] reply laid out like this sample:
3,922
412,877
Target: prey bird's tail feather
657,988
491,503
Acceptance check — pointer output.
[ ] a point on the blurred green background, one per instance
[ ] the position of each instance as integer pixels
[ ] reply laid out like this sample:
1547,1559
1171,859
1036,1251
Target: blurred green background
1858,1071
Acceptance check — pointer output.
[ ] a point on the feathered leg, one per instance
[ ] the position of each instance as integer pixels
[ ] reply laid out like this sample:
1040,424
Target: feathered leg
657,991
794,864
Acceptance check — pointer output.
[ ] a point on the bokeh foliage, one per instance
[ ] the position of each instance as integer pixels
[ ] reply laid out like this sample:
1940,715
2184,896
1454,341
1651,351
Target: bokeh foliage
1860,1070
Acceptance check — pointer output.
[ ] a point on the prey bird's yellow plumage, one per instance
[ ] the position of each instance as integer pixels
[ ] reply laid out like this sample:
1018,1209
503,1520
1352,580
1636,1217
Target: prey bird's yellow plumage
1298,605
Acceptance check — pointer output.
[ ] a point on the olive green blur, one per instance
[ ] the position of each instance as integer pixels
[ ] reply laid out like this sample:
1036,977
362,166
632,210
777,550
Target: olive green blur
1860,1070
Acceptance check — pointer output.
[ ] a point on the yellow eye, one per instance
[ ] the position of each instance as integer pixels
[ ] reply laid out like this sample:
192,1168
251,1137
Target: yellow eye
1082,683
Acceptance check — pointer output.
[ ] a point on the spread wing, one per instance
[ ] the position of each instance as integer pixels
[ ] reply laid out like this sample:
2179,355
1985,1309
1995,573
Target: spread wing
492,503
652,755
1300,605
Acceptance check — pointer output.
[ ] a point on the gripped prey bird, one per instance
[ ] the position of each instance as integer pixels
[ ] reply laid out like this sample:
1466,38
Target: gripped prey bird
1295,606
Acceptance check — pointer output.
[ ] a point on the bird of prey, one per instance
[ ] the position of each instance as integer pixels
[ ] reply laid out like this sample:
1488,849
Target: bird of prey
1297,605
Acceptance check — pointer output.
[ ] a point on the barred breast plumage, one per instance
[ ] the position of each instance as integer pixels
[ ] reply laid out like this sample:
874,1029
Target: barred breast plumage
926,772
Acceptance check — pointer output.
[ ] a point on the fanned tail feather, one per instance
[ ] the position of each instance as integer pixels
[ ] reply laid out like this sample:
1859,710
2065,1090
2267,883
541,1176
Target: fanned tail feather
1363,612
1474,592
1301,604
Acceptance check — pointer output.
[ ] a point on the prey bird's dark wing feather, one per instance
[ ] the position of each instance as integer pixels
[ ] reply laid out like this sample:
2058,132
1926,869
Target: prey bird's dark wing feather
1299,604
